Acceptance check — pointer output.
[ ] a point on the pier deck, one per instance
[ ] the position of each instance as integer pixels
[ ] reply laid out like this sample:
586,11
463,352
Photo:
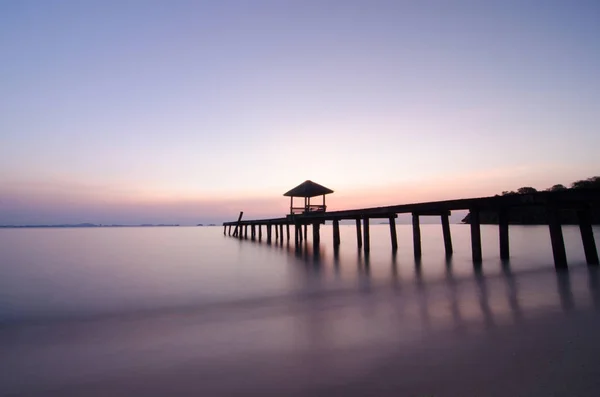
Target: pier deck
582,201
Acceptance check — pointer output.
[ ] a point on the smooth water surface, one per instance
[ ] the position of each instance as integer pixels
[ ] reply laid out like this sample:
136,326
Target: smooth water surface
189,311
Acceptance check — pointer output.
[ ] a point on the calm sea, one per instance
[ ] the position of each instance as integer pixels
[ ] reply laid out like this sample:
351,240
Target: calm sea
187,310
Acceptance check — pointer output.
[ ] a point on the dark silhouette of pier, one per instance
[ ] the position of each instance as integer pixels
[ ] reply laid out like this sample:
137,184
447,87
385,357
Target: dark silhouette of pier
554,202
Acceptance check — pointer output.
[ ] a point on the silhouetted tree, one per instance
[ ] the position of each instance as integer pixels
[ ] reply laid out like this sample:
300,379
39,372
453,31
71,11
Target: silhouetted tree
526,190
557,188
507,193
590,183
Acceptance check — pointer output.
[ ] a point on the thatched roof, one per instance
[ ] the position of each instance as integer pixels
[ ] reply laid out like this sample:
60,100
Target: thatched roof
308,189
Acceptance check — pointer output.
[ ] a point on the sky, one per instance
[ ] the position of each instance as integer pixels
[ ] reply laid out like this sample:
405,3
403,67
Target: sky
191,111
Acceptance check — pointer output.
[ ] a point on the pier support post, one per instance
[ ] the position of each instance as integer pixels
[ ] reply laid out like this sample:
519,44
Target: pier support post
301,234
393,234
245,231
253,232
259,232
416,235
556,237
269,233
336,232
287,229
475,235
366,234
229,231
296,234
358,234
276,232
316,234
503,231
587,235
447,235
306,232
281,232
224,230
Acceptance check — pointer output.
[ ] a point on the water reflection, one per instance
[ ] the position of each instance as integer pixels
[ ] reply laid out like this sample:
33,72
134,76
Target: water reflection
457,299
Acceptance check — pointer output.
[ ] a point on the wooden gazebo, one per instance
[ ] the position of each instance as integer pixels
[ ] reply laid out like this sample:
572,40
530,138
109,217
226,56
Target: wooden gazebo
308,189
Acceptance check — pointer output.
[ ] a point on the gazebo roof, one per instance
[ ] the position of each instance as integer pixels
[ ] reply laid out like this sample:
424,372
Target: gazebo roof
308,189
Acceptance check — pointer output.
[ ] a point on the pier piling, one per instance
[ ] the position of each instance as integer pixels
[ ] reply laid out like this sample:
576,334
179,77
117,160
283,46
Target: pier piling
416,235
358,234
269,233
336,232
393,234
556,238
475,236
503,231
446,233
367,239
587,235
316,234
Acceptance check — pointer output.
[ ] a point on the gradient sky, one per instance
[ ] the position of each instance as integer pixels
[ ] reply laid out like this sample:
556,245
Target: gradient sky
190,111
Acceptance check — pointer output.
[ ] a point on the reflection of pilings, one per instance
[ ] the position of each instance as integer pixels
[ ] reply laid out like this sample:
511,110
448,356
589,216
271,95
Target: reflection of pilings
594,286
564,290
483,299
454,305
512,292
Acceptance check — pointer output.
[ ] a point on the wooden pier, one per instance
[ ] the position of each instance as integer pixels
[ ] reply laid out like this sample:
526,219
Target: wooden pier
582,201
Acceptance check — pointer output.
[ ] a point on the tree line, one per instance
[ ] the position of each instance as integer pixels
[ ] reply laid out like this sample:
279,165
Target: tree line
589,183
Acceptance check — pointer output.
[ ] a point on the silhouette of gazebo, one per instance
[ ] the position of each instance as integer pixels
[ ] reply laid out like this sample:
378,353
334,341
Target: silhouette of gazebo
308,189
